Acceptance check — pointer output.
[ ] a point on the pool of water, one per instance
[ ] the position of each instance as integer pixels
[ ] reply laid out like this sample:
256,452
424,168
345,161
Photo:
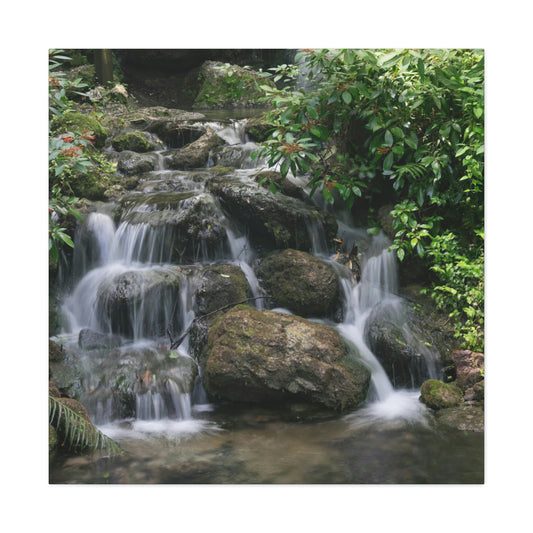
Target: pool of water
229,444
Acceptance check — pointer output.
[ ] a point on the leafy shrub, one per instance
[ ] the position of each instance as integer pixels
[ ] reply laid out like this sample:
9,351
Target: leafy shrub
401,125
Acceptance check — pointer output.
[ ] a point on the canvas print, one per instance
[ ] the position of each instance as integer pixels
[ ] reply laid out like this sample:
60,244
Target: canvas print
266,266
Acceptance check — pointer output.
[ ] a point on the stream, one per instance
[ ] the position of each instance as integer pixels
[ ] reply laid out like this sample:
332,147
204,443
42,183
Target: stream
171,432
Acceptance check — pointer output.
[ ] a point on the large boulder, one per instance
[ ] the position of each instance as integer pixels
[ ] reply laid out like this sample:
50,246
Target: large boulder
300,282
263,356
272,221
439,395
223,85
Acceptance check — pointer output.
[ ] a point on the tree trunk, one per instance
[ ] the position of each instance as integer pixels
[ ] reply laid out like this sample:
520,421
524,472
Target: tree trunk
103,62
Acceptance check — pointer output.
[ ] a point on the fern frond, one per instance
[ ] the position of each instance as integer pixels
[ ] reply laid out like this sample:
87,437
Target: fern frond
414,171
79,433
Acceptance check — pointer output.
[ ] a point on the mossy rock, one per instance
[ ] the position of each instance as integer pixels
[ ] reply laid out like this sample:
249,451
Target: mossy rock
78,122
218,286
136,141
267,357
223,85
300,282
258,128
439,395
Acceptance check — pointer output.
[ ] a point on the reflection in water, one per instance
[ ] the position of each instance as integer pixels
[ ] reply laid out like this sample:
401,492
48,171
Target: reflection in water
254,445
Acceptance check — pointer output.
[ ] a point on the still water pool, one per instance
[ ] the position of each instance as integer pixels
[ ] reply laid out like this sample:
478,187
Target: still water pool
230,444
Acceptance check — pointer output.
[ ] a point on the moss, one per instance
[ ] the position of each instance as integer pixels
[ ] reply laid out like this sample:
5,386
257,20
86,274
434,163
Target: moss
439,395
135,141
224,85
78,122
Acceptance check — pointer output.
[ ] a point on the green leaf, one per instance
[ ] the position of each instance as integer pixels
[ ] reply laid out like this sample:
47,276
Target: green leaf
412,140
66,239
401,254
388,138
388,161
284,169
347,97
478,111
397,132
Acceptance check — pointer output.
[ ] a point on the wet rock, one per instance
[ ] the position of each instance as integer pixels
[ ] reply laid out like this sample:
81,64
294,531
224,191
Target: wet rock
195,154
469,367
463,417
300,282
397,335
130,163
176,133
439,395
119,117
55,354
258,128
284,185
65,376
263,356
272,221
179,227
89,339
124,301
219,286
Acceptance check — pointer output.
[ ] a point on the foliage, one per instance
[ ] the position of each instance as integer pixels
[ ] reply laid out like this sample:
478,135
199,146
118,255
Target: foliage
402,126
72,160
77,432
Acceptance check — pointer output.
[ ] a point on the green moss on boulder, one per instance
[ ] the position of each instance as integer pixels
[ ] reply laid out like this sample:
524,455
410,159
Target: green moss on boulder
263,356
79,122
439,395
136,141
223,85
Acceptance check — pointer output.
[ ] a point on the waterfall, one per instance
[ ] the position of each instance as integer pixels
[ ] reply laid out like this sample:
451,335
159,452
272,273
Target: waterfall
130,284
378,287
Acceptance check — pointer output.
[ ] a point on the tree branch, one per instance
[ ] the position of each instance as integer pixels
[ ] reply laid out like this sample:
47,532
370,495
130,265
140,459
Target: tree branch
175,343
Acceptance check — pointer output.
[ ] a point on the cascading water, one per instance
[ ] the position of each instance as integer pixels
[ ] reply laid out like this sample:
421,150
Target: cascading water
134,277
130,286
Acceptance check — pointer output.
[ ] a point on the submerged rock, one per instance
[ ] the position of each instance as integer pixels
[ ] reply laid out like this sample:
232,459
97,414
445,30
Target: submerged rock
463,417
89,339
263,356
140,302
300,282
439,395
